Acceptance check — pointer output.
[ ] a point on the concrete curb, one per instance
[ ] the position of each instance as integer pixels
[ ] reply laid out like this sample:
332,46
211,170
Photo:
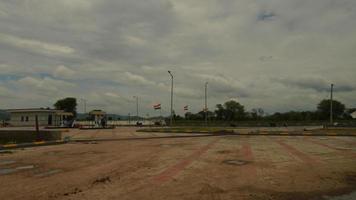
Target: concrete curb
144,138
32,144
172,131
231,132
296,134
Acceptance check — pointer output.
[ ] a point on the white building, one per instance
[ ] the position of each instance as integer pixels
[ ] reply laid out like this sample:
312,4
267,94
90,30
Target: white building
97,116
46,117
353,115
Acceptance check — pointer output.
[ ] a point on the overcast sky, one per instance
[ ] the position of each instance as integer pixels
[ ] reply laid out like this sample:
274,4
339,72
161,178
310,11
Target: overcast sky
279,55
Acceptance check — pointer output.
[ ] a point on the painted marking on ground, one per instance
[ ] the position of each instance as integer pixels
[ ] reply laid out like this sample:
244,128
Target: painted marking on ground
295,152
247,154
172,171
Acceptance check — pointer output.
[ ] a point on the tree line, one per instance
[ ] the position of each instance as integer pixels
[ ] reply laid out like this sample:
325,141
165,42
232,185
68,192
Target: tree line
234,111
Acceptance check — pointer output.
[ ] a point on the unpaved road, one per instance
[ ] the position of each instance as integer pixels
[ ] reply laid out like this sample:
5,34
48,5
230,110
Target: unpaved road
218,167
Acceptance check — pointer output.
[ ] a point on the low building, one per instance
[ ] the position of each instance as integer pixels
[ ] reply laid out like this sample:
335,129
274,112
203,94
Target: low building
97,115
46,117
353,115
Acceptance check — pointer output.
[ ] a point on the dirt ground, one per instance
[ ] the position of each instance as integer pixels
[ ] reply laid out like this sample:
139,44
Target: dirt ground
207,167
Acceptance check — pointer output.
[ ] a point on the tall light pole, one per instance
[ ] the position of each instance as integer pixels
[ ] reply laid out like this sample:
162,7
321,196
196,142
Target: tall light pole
206,103
171,122
136,97
331,104
85,105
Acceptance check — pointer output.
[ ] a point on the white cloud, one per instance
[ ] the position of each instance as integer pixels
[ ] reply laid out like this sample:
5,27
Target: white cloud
136,79
63,72
46,86
110,94
35,46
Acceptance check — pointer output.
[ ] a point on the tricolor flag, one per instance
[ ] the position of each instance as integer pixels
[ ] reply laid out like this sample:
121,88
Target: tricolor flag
185,108
157,106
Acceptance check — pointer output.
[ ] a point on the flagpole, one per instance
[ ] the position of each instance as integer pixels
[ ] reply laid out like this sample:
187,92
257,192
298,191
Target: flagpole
160,115
171,120
206,104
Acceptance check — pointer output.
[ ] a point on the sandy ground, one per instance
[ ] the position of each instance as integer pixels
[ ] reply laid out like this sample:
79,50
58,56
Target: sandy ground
214,167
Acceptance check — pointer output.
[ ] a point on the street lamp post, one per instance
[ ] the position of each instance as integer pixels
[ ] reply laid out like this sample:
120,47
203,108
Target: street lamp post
136,97
129,118
206,103
85,105
171,121
331,104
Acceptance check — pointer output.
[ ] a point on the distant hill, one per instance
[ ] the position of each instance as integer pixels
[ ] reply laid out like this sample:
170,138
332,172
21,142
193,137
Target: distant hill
4,115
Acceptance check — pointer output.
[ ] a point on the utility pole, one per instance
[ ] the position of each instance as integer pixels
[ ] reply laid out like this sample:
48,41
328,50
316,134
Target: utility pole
85,105
171,121
206,103
331,104
36,125
129,118
138,118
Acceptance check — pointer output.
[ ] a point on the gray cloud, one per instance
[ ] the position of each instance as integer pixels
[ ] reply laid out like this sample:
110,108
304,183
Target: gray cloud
317,84
265,16
263,53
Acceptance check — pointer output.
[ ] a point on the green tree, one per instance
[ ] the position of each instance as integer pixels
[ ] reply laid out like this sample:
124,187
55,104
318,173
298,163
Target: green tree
234,110
324,109
231,110
68,104
188,115
257,113
219,112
